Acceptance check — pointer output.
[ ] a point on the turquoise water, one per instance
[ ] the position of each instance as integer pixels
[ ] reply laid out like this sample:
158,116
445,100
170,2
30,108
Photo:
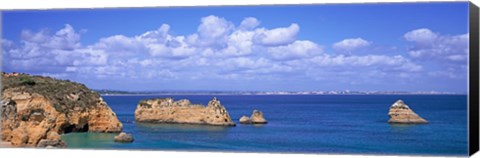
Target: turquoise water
350,124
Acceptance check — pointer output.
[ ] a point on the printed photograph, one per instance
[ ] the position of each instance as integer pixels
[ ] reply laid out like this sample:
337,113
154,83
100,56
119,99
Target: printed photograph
369,79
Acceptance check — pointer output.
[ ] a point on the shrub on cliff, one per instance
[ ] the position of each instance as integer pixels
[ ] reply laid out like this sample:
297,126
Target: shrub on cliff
64,94
48,107
27,81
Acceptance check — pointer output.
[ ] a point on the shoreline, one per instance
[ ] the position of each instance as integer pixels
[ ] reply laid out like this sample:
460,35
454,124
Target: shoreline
205,94
5,144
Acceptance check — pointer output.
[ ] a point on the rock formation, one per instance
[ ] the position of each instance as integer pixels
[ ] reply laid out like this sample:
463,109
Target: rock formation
35,110
402,114
52,141
255,118
124,138
167,110
245,120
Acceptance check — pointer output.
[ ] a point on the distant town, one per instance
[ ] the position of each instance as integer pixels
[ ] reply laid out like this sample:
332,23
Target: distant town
345,92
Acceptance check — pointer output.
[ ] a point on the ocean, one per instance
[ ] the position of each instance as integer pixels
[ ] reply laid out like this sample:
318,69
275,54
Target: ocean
344,124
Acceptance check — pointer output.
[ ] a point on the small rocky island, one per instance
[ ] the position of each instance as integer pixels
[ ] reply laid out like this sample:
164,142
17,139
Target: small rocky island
400,113
35,110
124,138
166,110
255,118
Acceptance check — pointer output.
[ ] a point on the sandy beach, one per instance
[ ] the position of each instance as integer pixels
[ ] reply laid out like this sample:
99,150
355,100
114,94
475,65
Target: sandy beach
5,144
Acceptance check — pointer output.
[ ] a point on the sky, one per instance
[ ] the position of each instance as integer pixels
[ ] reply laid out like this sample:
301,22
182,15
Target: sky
362,47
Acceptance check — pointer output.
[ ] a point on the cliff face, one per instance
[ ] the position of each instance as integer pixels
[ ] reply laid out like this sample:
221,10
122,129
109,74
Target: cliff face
169,111
35,109
400,113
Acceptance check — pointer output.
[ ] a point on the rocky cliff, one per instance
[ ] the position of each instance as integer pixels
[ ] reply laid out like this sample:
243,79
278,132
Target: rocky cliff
167,110
402,114
35,110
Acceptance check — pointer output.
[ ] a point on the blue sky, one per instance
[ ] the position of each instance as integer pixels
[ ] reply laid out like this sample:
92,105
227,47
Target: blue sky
368,47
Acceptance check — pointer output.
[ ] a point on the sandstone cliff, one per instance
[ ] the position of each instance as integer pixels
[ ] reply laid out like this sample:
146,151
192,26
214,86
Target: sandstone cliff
402,114
167,110
35,110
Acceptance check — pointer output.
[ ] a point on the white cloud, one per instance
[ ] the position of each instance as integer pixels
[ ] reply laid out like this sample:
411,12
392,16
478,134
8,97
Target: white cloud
277,36
457,57
249,23
91,57
351,44
371,61
158,35
65,39
7,44
211,32
214,27
449,52
176,47
61,54
421,36
119,44
239,43
217,50
295,50
429,45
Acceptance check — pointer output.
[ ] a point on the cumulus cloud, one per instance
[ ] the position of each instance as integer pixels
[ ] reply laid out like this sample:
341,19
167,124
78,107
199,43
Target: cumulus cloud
350,45
295,50
249,23
6,45
449,51
219,49
64,39
277,36
239,43
389,63
46,52
429,45
120,46
422,36
212,31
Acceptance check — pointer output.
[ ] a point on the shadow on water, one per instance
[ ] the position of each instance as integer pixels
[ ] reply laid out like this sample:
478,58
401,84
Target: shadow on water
259,125
402,128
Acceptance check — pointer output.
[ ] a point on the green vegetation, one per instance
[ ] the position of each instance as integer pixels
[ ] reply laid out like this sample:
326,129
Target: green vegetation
143,103
63,94
27,81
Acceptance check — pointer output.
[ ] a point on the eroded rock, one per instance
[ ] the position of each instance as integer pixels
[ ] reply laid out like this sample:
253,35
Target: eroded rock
255,118
124,138
400,113
245,120
46,143
35,110
166,110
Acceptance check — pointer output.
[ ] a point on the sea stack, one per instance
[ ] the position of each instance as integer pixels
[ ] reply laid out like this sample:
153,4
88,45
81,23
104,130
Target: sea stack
255,118
245,120
400,113
124,138
166,110
35,110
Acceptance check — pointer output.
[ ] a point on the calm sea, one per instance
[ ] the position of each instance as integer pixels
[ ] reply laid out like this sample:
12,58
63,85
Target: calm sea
349,124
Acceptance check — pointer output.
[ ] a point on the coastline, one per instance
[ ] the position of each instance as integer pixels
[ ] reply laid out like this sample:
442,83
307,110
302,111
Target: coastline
207,94
307,140
5,144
